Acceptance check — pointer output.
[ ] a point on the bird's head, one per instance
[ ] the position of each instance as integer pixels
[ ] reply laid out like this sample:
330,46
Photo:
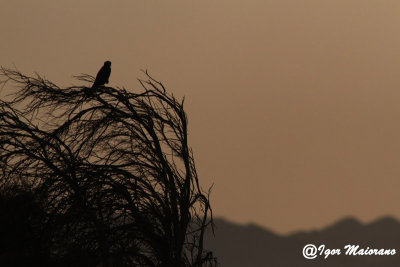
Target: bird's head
107,63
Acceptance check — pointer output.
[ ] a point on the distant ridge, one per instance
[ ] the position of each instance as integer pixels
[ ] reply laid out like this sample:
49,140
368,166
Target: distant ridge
251,245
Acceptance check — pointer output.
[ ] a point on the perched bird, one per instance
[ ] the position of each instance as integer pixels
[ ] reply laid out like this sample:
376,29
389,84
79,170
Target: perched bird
103,75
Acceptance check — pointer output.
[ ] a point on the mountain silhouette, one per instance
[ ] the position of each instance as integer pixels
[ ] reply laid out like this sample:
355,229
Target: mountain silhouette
250,245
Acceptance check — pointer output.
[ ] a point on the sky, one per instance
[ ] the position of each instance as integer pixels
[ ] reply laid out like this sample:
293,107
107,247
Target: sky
293,106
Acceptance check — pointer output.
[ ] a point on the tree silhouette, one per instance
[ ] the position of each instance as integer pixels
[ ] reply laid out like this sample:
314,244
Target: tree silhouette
112,171
22,230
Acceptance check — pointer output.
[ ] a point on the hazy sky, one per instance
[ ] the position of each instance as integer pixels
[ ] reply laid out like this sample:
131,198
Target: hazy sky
293,106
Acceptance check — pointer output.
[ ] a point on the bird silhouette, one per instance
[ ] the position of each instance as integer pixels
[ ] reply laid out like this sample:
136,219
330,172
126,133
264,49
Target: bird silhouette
103,75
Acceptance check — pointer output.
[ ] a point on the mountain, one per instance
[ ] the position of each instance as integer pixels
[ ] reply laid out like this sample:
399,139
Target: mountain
250,245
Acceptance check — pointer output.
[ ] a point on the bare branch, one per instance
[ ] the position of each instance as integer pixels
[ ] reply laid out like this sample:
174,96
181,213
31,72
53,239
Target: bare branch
112,170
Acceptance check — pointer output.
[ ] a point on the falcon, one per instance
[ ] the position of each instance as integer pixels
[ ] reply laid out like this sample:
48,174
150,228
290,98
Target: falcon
103,75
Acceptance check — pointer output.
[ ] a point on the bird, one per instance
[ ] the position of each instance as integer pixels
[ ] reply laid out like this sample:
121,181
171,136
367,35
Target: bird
103,75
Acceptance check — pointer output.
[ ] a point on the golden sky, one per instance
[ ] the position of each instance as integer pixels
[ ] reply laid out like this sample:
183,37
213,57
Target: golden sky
293,106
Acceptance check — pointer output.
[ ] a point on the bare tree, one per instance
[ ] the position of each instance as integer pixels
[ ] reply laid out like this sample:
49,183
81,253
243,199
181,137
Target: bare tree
112,170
